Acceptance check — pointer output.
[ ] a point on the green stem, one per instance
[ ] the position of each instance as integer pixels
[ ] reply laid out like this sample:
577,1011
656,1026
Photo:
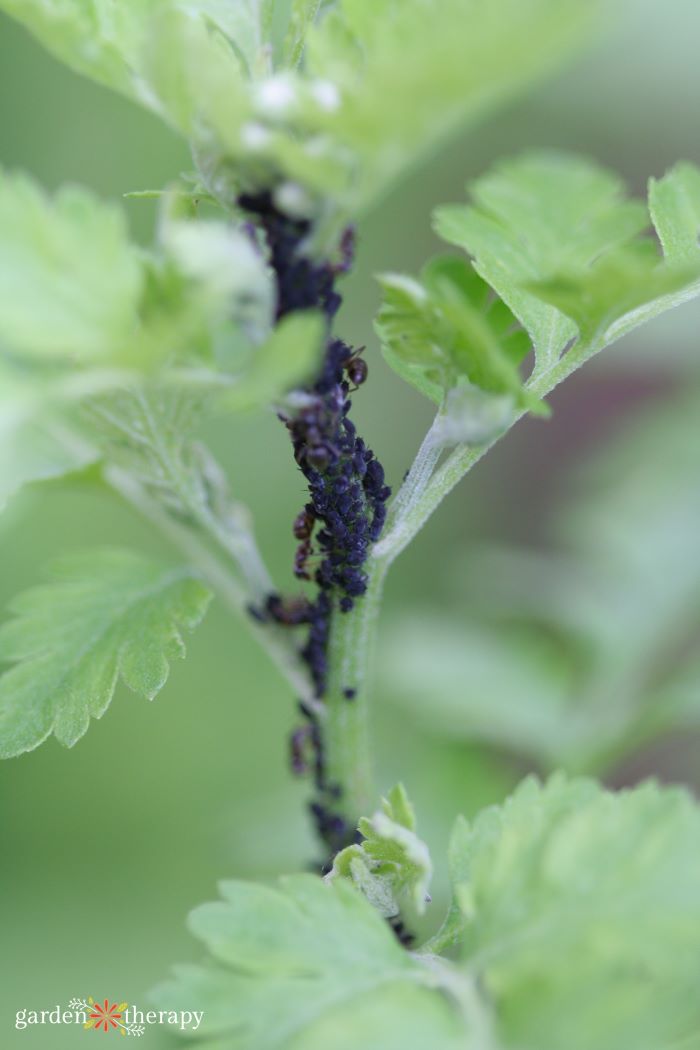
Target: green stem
423,492
346,735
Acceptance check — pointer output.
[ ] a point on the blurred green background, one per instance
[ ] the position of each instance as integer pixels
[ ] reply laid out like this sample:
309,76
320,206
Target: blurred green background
107,847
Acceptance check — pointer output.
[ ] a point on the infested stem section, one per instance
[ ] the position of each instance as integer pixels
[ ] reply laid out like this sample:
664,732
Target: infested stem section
336,528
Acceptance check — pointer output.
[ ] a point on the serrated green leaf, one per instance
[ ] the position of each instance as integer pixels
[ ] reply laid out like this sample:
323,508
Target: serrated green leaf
70,281
581,913
104,616
674,203
554,236
448,330
293,964
391,866
532,218
614,288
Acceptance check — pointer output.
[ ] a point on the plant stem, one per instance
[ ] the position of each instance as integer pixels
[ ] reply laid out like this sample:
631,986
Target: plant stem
346,720
423,492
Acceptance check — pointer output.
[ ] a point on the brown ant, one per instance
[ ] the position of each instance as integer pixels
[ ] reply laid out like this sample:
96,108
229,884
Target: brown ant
289,612
299,742
356,368
303,553
319,457
303,528
304,523
347,251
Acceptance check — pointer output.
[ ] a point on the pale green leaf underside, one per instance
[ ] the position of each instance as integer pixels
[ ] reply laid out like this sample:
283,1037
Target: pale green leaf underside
308,965
581,912
103,616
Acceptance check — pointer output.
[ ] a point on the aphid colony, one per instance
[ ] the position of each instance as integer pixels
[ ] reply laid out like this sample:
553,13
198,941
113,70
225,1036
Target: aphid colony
346,510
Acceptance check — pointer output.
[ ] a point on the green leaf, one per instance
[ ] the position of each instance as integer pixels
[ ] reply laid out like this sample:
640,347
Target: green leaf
30,447
103,616
94,37
227,282
344,123
302,17
330,965
149,432
286,361
124,46
581,914
31,450
674,202
448,330
70,282
472,416
555,238
615,287
195,73
73,288
391,864
393,110
531,218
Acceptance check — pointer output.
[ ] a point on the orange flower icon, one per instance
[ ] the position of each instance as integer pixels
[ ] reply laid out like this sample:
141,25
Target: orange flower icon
105,1016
